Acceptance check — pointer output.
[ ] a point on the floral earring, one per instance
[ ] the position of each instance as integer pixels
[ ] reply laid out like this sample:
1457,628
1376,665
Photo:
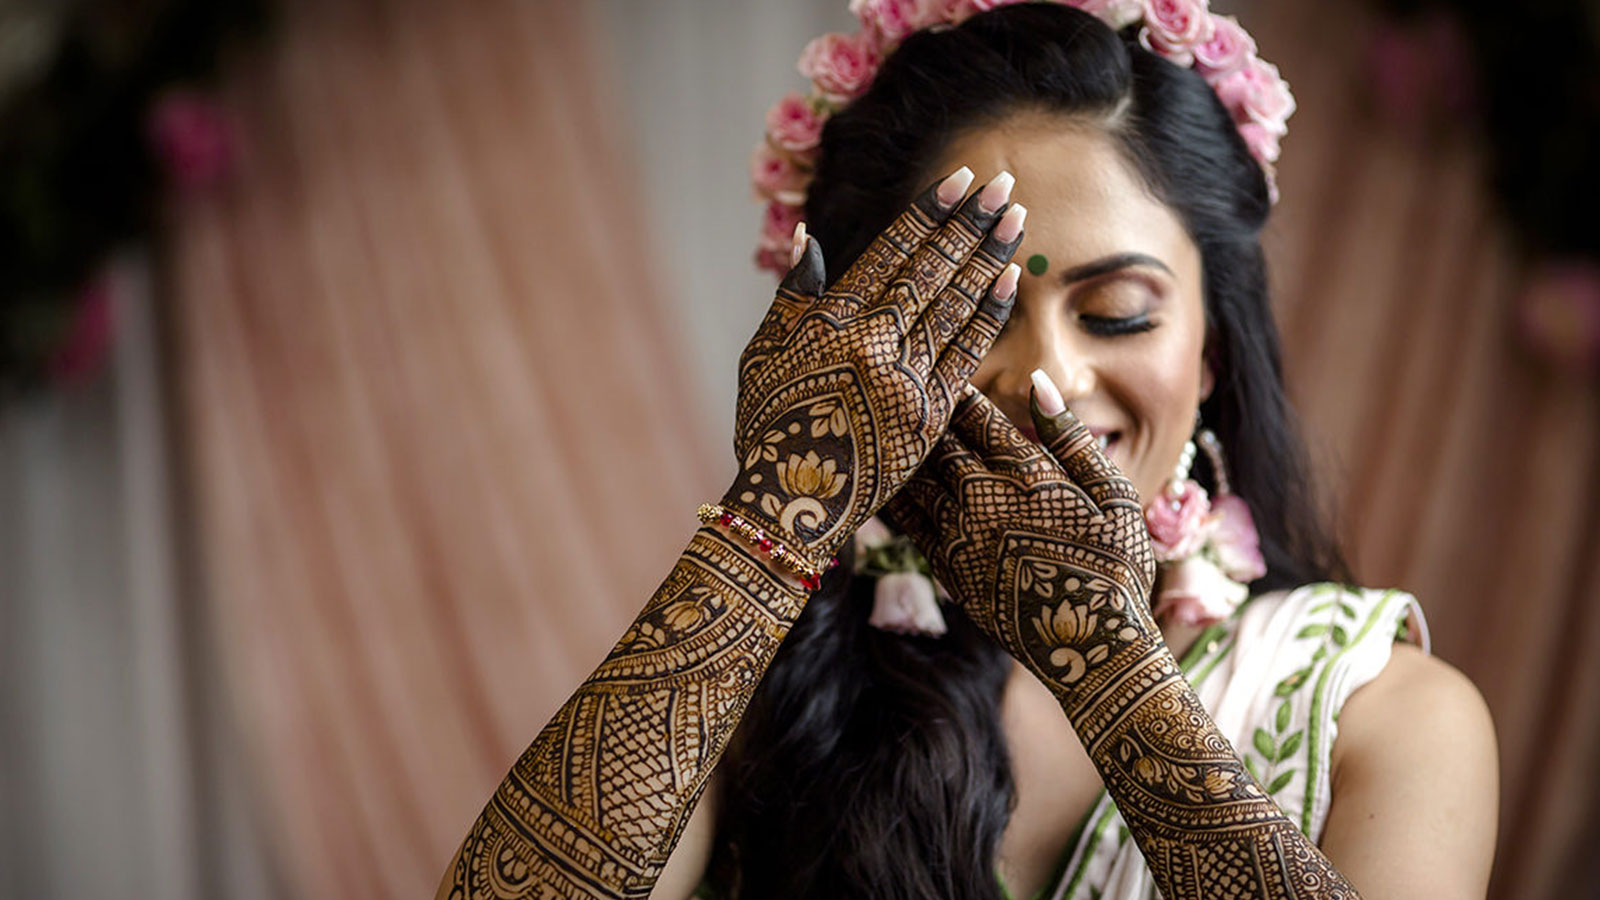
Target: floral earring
1207,550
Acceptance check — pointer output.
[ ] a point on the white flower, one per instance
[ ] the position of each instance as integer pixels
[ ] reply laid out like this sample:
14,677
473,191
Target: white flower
903,602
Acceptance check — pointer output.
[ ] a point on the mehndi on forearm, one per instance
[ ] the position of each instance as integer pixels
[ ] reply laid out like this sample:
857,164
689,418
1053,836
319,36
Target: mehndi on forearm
1205,827
596,803
1047,549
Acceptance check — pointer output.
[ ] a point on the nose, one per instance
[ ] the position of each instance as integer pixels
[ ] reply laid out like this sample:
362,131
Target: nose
1008,380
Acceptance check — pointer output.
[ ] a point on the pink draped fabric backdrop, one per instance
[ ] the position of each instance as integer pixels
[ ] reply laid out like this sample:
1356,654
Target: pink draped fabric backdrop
444,444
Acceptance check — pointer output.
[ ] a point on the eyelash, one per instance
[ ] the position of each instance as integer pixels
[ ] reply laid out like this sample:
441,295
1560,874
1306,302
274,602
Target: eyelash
1105,326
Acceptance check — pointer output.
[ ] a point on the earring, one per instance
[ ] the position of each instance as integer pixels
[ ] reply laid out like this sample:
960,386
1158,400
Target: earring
1208,549
1219,462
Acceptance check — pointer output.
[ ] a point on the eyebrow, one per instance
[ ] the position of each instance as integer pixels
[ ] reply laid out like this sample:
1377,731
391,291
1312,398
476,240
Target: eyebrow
1111,264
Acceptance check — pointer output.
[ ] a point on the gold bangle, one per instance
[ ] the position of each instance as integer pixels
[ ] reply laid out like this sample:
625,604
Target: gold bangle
810,575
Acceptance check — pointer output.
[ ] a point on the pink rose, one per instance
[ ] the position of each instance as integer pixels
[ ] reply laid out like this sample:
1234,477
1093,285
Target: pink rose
1119,14
841,65
1173,28
958,11
1263,144
1234,538
904,602
891,20
775,176
793,123
1196,592
773,259
1230,47
777,226
192,138
1255,92
86,347
1178,522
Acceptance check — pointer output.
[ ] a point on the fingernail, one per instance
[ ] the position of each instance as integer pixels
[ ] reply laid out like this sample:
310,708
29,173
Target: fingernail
799,244
954,187
1046,395
1005,287
996,192
1011,223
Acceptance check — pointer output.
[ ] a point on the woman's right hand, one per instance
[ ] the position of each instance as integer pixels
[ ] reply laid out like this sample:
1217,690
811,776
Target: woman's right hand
843,391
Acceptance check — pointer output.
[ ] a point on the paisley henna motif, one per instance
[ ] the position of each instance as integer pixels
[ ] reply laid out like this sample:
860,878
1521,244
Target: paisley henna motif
842,393
1046,549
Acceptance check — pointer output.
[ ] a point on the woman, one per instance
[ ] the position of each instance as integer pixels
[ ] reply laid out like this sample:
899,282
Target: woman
1056,738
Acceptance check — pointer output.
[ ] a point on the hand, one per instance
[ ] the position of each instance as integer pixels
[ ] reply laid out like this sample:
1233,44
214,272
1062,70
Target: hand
1044,547
842,392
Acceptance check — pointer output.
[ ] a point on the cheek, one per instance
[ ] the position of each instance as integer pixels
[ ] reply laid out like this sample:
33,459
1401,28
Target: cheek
1162,389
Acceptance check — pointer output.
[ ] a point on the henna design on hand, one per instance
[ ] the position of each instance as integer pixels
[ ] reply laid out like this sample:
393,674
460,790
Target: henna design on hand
843,392
1046,549
1052,559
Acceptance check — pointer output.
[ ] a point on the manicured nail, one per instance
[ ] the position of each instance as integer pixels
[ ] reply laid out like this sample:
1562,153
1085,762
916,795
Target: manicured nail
996,192
1005,287
954,187
1046,395
799,244
1011,223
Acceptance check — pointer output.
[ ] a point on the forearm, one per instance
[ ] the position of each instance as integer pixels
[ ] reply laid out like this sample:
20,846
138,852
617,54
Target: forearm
1206,828
595,804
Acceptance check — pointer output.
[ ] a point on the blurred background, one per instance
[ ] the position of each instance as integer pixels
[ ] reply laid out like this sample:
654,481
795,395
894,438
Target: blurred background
362,363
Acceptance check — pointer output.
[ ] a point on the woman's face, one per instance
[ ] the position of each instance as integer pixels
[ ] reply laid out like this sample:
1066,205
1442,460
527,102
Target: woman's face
1116,318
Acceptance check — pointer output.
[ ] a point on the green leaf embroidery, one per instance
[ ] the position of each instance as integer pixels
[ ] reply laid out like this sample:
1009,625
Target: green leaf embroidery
1280,782
1324,606
1288,685
1348,610
1290,745
1250,766
1283,716
1313,630
1264,744
1340,636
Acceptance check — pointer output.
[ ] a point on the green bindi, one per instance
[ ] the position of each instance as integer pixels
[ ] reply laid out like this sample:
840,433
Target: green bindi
1037,264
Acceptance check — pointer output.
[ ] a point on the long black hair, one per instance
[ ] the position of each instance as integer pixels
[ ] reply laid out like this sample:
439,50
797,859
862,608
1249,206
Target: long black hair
875,765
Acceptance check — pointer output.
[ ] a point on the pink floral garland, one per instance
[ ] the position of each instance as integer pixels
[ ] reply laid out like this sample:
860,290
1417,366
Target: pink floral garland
842,66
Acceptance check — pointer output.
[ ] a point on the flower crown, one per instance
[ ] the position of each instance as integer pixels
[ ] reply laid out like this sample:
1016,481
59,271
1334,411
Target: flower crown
841,66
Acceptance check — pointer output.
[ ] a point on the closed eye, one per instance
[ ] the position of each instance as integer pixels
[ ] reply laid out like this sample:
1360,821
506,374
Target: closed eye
1108,326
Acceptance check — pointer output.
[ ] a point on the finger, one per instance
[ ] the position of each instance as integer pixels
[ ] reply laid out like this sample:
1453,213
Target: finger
797,292
991,437
1075,447
872,272
960,299
965,351
936,261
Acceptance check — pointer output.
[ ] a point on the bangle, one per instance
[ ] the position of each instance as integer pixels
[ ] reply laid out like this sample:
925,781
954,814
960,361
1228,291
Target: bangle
810,575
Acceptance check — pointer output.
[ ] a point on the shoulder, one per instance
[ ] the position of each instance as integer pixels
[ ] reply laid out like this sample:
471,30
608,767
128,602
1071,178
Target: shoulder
1415,782
1419,707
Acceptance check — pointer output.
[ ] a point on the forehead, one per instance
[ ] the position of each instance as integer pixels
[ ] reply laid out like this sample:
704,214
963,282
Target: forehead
1085,201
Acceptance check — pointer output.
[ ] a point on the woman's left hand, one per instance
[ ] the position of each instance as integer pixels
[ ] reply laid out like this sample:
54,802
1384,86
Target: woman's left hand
1044,547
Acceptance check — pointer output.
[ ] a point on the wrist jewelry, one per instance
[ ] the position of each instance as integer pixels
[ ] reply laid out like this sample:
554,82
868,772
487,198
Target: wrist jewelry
810,575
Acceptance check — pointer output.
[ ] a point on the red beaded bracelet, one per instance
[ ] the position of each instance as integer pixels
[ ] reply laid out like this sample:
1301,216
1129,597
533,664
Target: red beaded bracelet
810,575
